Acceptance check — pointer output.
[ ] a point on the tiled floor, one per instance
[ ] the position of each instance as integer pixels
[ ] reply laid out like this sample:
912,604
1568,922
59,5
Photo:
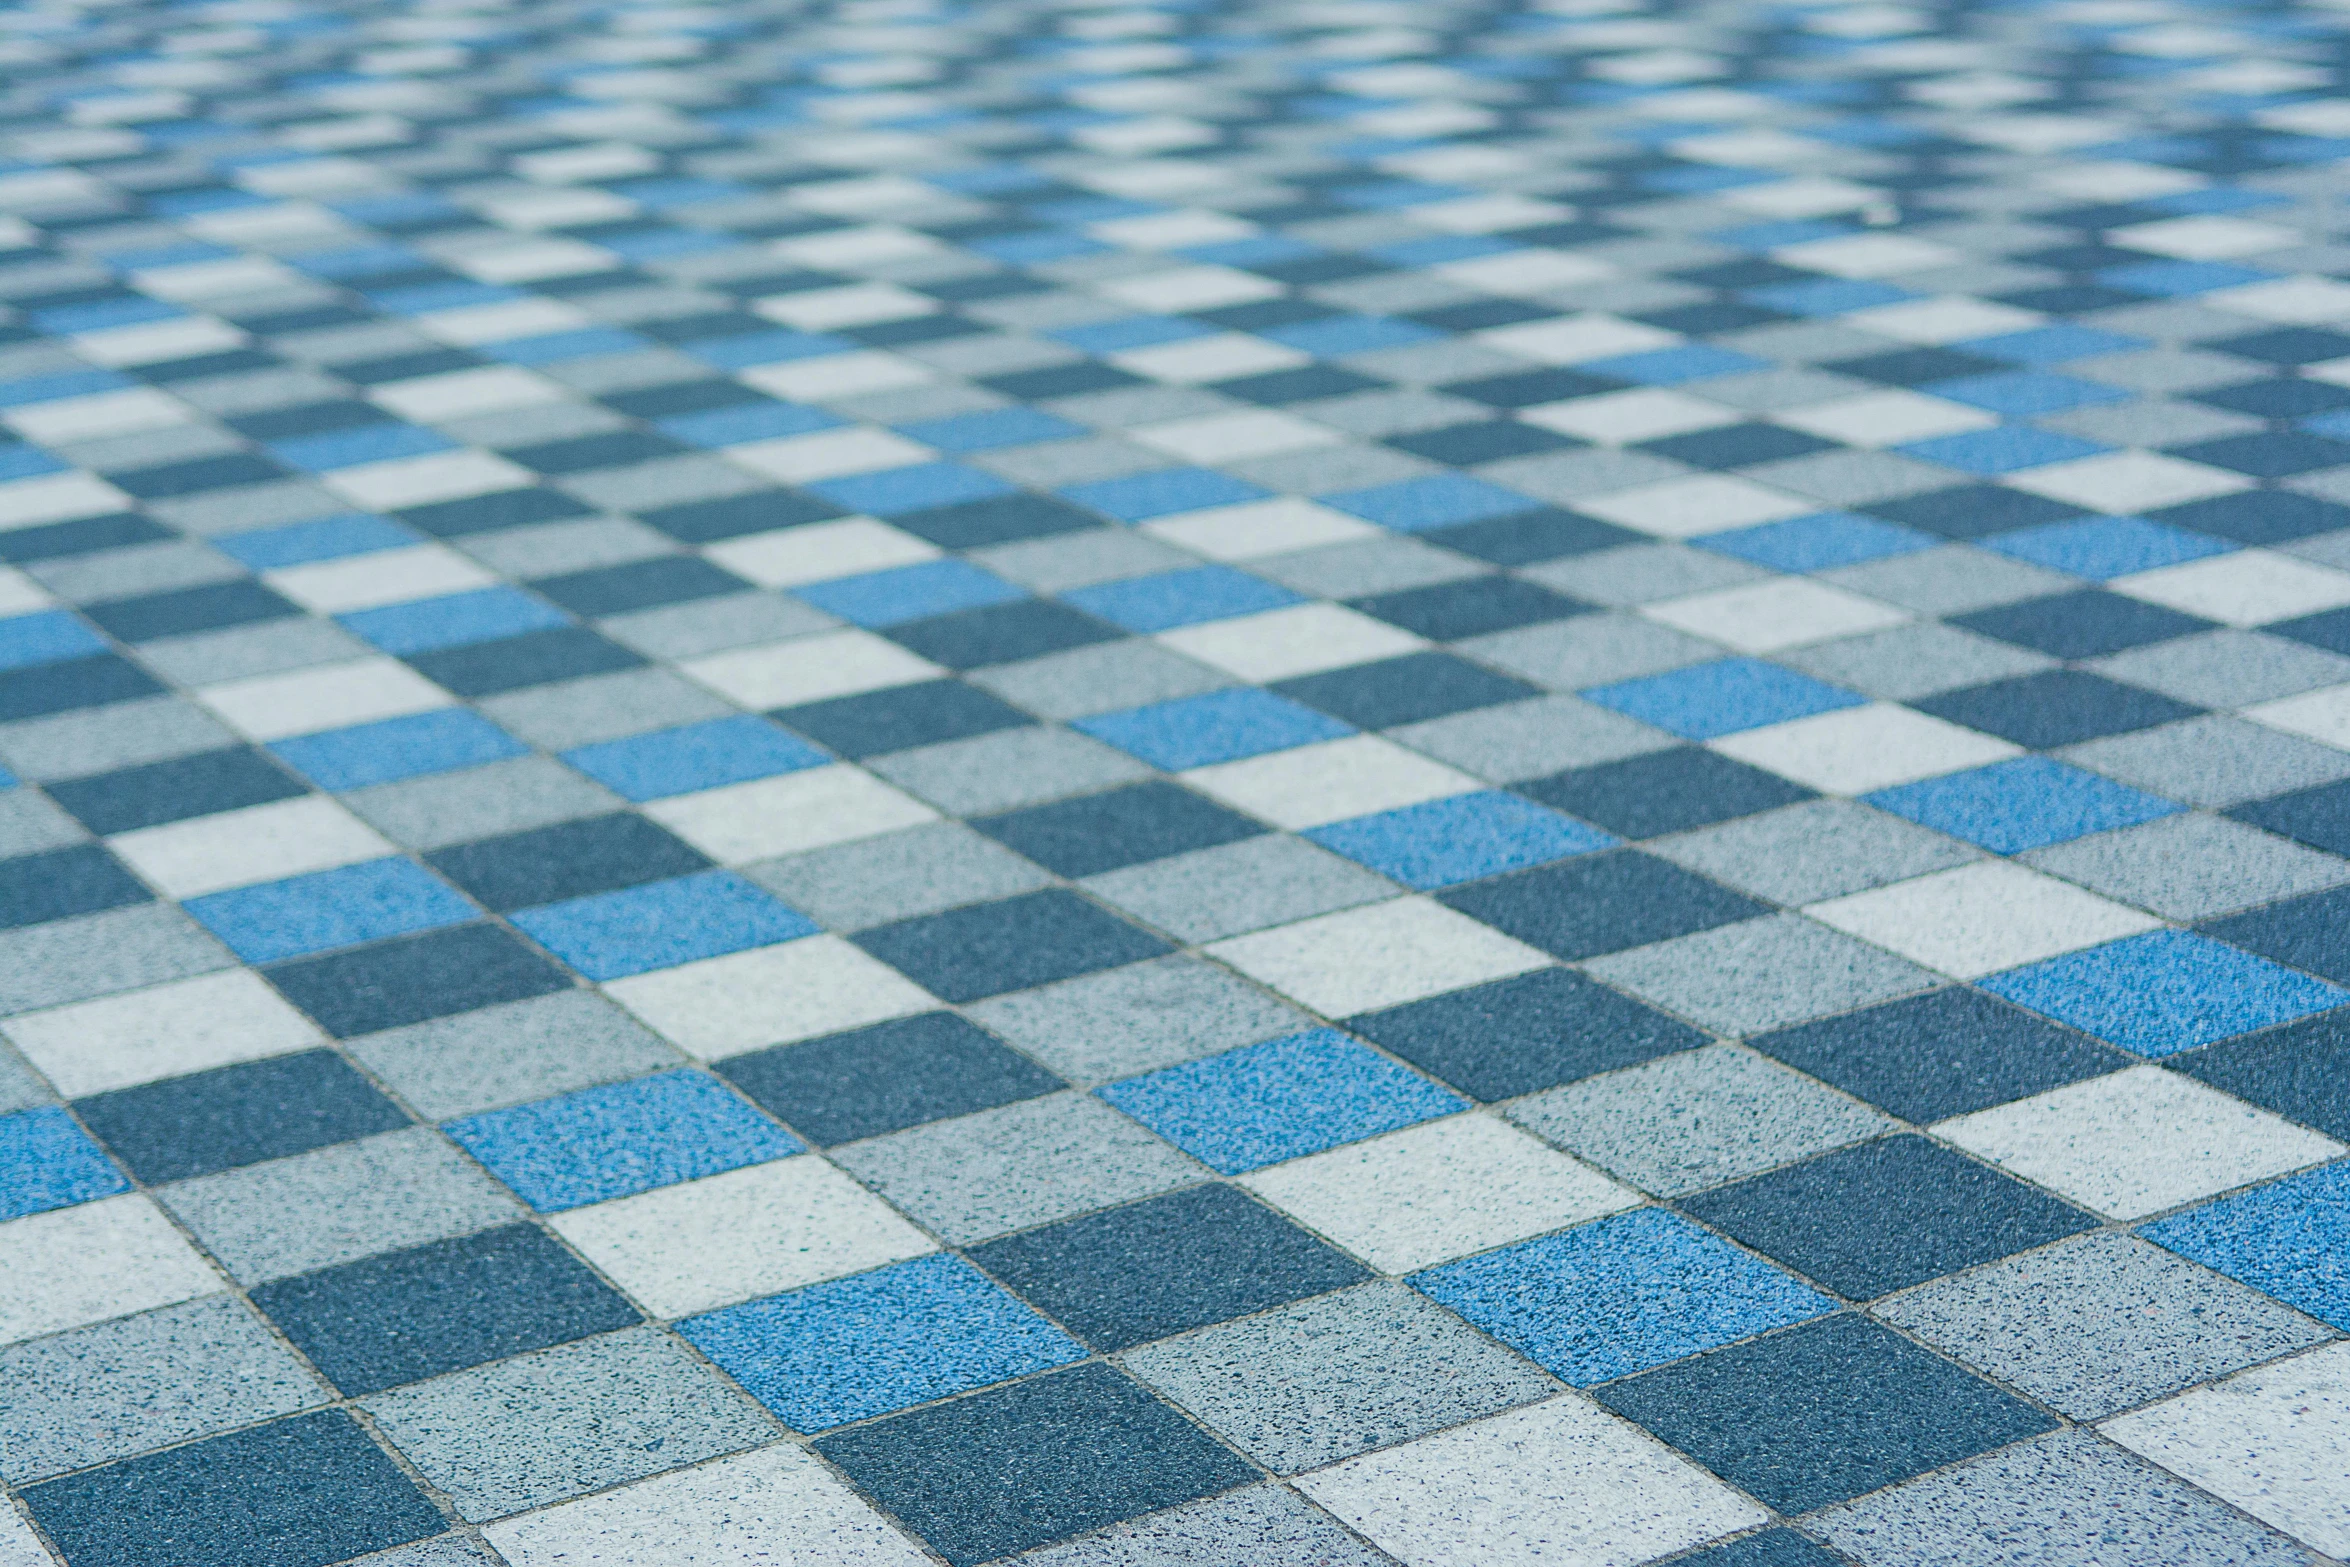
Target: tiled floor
1210,783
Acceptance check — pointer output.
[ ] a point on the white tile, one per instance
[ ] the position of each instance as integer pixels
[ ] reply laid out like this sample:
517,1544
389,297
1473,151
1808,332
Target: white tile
1440,1190
801,989
1885,418
1255,529
1303,639
1491,214
1189,288
766,817
1334,781
534,260
57,497
851,304
2270,1440
2323,715
461,393
830,376
101,413
1857,749
1868,255
809,669
1571,340
2135,1142
725,1238
259,843
1522,274
1684,508
1948,319
1782,612
1645,413
820,551
20,593
189,1025
124,346
503,322
1559,1484
19,1546
828,454
1229,437
1979,919
2303,300
2122,484
422,481
1359,960
1178,230
777,1507
2206,237
2247,588
1215,358
97,1260
337,587
329,696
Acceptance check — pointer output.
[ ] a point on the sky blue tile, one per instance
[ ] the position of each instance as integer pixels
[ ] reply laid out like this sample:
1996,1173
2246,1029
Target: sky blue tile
1621,1295
2027,802
329,538
762,421
1826,296
706,755
780,346
893,492
1282,1099
27,462
1441,843
1334,337
2009,448
1220,726
2102,548
2179,279
620,1139
1674,366
456,620
903,593
853,1348
2165,991
395,748
553,348
611,935
2290,1239
364,444
1437,501
1721,698
1180,598
328,909
2023,393
46,637
1819,542
2055,344
46,1161
997,427
1128,333
1142,496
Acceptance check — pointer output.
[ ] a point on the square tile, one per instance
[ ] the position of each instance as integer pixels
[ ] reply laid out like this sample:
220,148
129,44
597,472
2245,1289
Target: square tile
1559,1481
2027,803
1824,1411
724,1006
1809,852
1721,698
1103,832
1868,1220
1664,791
1465,838
1167,1264
2292,1070
2191,866
1759,974
1121,1021
410,979
2100,1323
2165,991
1224,891
237,1115
1512,1036
329,909
2284,1239
849,1349
167,1030
662,924
987,949
1600,903
1858,749
92,1261
2053,708
887,876
601,1143
1315,785
570,860
962,1474
1361,960
509,1053
886,1078
1978,919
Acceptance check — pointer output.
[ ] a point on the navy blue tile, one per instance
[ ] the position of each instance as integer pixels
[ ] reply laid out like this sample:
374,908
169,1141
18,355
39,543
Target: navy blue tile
184,611
1972,511
36,888
1101,832
2258,516
1405,690
886,1078
295,1493
643,584
535,658
567,860
74,683
235,1115
1000,633
83,536
1473,607
1164,1265
1532,536
2301,1070
1664,791
2084,624
901,717
487,513
1516,1036
398,1318
412,978
1488,440
989,948
2055,707
1601,903
1002,519
2319,817
2310,933
1038,1461
172,791
2328,629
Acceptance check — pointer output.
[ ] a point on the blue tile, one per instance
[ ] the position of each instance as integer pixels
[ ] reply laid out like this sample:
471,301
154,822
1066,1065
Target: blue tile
1676,366
46,1162
395,748
1128,333
858,1347
985,432
760,421
903,593
1333,337
1721,698
329,538
1163,494
458,620
2052,345
2025,803
1438,501
1465,838
327,909
1221,726
367,443
1180,598
2008,449
1622,1295
706,755
2165,991
1264,1103
894,492
2102,548
1820,542
610,935
47,637
2023,393
603,1143
2290,1238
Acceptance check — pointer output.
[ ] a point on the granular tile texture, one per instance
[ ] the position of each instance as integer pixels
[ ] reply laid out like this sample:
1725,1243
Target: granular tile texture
1174,783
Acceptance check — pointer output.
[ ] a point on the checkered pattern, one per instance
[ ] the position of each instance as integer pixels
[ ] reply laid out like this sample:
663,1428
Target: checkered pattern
1177,783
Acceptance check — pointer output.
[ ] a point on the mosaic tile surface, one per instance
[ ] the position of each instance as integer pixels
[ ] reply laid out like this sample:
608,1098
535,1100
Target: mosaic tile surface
1216,783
